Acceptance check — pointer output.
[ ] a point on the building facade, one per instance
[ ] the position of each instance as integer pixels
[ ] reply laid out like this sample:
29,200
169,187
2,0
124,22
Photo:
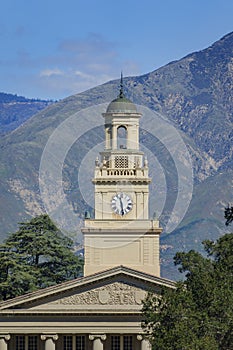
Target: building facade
102,310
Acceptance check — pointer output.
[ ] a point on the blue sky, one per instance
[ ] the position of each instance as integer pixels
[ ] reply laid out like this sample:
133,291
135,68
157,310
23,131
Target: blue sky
53,49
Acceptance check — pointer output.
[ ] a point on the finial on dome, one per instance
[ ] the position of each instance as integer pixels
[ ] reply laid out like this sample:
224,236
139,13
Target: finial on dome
121,95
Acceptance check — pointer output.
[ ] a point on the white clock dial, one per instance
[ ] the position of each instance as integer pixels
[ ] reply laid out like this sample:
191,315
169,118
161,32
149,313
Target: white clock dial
121,203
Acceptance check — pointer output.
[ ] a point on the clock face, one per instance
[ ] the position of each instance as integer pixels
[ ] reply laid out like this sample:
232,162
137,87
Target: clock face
121,203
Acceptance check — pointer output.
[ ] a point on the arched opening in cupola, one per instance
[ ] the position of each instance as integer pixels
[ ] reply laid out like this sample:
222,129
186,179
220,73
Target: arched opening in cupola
122,137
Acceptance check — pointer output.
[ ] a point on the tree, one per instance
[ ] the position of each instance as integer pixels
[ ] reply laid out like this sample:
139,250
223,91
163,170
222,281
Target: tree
36,256
198,314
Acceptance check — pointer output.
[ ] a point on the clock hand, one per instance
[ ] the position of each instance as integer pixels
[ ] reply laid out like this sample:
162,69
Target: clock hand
122,209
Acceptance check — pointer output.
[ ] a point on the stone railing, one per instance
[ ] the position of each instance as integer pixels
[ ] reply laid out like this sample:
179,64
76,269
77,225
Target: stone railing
121,172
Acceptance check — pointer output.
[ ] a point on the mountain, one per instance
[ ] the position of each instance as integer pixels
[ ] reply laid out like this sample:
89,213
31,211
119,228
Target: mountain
193,95
15,110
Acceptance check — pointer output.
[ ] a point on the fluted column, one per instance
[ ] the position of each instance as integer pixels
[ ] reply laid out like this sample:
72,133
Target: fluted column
4,341
97,341
145,344
50,340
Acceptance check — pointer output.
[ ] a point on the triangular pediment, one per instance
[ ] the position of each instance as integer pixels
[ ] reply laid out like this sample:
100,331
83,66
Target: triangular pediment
118,289
115,295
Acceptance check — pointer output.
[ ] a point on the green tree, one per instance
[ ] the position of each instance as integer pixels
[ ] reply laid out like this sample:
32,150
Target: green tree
36,256
198,314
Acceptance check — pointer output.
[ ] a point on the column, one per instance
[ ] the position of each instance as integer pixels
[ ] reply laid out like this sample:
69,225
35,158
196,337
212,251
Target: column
3,341
97,341
107,136
49,340
145,344
145,205
114,137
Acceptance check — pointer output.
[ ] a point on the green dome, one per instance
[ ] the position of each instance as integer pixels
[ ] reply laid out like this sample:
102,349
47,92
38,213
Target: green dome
121,105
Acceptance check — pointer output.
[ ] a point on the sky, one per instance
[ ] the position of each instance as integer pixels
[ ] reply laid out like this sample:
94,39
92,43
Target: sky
53,49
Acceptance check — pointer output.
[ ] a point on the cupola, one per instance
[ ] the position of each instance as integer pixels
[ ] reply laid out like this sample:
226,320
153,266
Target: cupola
121,104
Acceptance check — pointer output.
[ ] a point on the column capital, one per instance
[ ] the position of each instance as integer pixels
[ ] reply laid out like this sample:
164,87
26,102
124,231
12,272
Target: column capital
139,337
95,336
54,337
6,337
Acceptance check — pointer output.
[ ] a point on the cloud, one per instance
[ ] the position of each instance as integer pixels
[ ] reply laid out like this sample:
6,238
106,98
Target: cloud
76,65
80,64
70,82
51,72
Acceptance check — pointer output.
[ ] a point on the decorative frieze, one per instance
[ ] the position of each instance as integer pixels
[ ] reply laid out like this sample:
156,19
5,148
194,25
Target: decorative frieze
113,294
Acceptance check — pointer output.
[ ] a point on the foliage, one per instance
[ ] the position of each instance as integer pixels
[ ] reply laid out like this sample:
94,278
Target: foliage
15,110
198,314
36,256
9,98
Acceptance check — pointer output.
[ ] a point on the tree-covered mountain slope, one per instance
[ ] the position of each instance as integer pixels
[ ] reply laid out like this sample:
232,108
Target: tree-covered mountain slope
15,110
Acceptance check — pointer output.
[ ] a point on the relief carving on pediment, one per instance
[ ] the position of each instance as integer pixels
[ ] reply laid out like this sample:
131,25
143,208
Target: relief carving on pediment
113,294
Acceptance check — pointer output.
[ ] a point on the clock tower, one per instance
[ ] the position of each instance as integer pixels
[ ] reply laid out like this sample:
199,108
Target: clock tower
121,232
